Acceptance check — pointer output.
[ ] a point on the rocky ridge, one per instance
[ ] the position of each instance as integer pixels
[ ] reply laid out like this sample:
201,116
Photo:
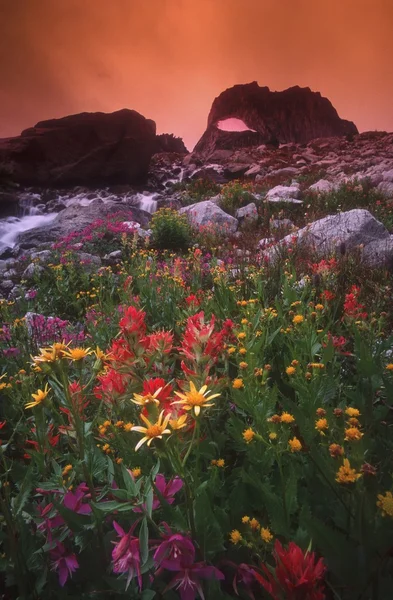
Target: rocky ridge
294,115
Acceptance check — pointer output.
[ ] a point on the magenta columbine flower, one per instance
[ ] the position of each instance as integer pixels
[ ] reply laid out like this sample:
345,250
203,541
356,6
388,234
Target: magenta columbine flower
174,551
63,562
74,500
126,555
177,553
187,580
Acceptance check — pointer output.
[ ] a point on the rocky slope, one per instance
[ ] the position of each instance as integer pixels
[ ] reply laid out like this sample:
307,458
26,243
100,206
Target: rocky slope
293,115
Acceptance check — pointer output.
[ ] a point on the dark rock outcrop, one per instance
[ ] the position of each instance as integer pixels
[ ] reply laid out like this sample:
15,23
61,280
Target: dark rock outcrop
87,149
294,115
167,142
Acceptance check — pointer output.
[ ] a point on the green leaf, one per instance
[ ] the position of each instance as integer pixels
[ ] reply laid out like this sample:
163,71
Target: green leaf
208,530
128,481
112,506
24,493
144,541
75,521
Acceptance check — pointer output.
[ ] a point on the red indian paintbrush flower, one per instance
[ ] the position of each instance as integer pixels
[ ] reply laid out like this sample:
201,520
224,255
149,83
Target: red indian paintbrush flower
133,321
296,576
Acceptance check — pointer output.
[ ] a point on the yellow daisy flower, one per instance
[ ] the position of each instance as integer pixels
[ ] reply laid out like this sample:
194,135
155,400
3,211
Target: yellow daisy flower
152,431
194,399
39,397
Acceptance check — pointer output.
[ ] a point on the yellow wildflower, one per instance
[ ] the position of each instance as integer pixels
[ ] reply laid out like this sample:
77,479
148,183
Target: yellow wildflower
297,319
245,519
77,353
254,524
137,472
389,367
241,335
66,470
39,397
194,399
321,424
235,536
128,426
220,463
248,435
352,412
178,423
319,307
346,474
352,434
272,436
266,535
148,398
231,350
385,503
290,371
295,445
152,431
287,418
243,365
237,384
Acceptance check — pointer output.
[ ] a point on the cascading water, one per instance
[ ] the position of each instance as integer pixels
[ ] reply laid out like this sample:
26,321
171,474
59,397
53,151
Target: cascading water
147,202
30,217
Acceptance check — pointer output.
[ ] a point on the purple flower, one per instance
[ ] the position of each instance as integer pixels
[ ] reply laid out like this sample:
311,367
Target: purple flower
64,563
174,551
126,556
167,491
244,575
74,500
187,580
10,352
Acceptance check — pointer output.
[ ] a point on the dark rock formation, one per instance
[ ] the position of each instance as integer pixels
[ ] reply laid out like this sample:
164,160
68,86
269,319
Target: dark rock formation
87,149
216,139
167,142
293,115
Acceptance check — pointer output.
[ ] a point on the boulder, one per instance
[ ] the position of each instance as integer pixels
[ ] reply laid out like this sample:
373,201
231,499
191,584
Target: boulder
293,115
87,149
323,186
75,218
208,213
248,213
284,193
386,188
355,229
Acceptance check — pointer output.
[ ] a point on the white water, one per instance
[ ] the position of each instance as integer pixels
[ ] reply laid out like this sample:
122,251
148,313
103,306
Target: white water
147,202
11,227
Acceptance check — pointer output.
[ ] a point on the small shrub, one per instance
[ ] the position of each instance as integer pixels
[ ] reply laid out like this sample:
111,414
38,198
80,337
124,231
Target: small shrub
170,230
234,195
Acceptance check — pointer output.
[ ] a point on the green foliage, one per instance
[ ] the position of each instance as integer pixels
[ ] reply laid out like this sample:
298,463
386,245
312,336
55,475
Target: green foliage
196,190
236,194
170,230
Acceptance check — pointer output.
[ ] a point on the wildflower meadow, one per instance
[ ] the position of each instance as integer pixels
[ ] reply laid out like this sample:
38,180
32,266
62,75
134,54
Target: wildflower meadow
197,423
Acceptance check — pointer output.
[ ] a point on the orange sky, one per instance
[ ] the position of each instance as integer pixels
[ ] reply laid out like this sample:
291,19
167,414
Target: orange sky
168,59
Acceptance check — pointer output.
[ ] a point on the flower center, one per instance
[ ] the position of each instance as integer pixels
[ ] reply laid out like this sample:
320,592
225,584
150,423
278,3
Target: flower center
154,431
195,399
